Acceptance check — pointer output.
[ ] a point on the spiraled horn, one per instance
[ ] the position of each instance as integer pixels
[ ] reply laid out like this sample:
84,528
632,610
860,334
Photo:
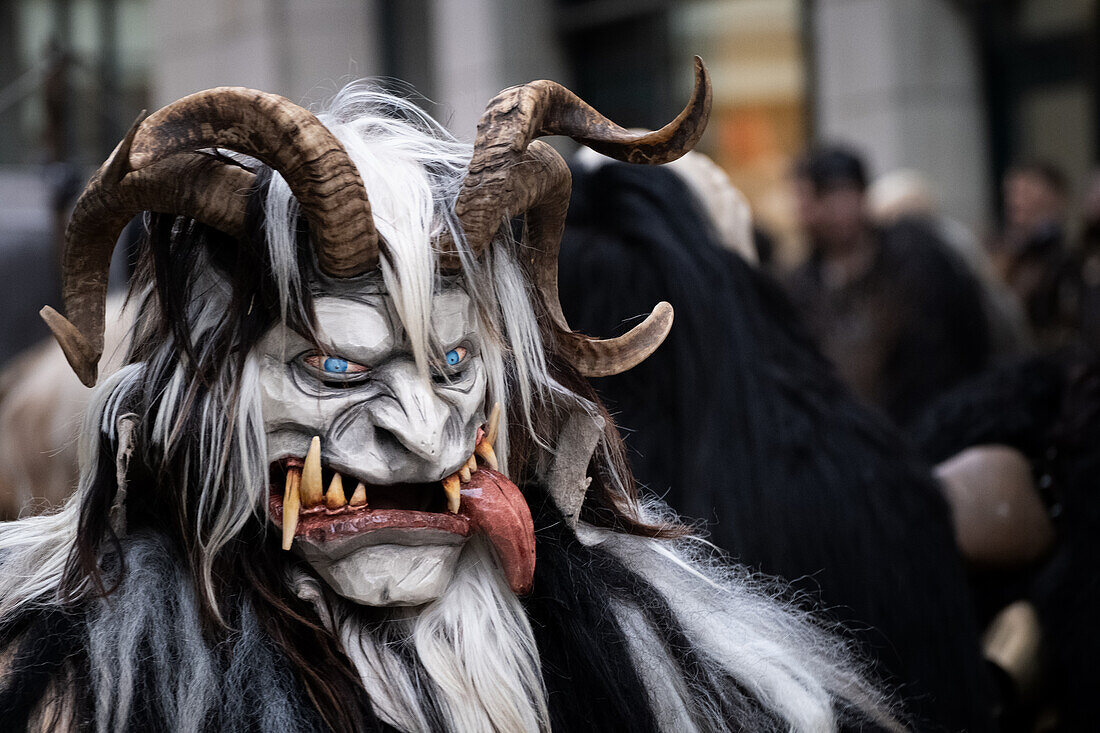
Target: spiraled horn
511,173
203,187
156,168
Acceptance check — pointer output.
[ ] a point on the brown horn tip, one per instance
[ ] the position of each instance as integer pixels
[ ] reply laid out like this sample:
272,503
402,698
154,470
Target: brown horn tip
82,357
605,357
665,145
118,165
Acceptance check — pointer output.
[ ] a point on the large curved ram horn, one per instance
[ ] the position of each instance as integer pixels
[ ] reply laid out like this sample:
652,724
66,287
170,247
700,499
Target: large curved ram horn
291,140
203,187
511,173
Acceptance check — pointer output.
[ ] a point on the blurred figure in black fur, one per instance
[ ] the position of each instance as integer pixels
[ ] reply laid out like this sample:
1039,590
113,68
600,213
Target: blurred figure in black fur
740,421
1048,409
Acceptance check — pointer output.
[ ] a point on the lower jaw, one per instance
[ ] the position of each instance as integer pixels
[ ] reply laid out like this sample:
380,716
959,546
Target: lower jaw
387,574
335,540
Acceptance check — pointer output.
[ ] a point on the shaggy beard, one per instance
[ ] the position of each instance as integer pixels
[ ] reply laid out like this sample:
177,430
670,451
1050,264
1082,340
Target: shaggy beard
467,661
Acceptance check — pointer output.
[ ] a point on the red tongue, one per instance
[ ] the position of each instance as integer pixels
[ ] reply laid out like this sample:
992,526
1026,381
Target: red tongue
496,507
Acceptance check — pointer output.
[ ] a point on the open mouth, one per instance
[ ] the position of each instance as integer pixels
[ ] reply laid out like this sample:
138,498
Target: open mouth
313,502
310,499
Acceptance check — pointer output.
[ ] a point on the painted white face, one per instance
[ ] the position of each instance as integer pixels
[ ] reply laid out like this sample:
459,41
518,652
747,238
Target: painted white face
375,519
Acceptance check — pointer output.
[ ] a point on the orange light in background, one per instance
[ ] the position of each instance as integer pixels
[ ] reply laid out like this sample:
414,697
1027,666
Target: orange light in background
758,122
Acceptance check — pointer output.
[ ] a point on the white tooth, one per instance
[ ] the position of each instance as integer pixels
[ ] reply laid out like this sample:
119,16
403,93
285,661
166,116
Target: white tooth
334,497
494,424
292,501
313,491
450,488
359,496
464,474
485,452
471,464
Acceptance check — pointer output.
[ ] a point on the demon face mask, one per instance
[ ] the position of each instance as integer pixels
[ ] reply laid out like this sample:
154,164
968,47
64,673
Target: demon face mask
400,469
381,458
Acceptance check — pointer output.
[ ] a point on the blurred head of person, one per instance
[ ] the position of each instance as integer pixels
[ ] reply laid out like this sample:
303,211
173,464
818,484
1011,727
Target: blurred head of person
830,186
714,196
1034,196
900,194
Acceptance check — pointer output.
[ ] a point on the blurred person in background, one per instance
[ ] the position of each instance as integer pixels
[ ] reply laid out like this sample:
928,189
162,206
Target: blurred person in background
906,194
739,421
1032,254
893,308
1046,411
1088,268
42,406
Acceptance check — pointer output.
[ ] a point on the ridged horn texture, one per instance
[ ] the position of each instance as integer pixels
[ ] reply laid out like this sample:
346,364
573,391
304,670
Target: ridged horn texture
289,139
512,173
156,168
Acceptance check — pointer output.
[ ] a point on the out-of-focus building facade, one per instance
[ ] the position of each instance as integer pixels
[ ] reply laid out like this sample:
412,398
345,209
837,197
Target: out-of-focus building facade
957,89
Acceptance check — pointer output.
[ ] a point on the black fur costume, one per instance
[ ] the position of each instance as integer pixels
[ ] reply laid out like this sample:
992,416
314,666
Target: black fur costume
738,420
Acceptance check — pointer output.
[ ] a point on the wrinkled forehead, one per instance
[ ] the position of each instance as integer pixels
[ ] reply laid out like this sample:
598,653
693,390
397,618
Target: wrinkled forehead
368,319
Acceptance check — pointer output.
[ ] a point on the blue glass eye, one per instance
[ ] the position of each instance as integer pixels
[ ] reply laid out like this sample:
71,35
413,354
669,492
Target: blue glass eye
348,371
455,355
338,366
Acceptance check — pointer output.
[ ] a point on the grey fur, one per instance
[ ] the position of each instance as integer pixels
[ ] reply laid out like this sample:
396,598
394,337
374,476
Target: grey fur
150,626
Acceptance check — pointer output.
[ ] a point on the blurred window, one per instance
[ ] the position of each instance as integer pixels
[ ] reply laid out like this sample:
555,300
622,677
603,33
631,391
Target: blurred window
1042,72
66,68
631,60
754,49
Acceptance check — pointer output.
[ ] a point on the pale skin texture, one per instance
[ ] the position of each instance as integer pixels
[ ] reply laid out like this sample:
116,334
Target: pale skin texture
380,422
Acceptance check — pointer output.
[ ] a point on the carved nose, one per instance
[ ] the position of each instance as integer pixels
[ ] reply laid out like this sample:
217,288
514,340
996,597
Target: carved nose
415,416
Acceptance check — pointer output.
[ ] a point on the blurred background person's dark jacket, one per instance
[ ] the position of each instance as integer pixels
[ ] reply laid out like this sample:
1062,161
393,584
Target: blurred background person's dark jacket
898,313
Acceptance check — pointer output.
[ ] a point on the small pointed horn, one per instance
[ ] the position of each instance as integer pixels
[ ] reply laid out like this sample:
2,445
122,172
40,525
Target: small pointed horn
118,164
82,356
604,357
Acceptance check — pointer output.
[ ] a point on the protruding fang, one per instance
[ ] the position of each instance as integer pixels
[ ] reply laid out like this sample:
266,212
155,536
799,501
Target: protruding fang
334,497
313,490
485,452
292,501
472,464
494,423
464,474
450,488
359,496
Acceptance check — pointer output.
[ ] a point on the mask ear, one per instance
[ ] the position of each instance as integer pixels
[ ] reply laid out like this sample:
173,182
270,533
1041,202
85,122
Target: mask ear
568,480
126,427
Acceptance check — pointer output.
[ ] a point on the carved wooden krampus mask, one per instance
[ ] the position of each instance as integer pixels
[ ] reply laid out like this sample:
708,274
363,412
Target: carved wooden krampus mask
381,470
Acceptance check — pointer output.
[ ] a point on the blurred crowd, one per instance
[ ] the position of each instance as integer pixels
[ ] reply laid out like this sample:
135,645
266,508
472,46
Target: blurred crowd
908,303
906,426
